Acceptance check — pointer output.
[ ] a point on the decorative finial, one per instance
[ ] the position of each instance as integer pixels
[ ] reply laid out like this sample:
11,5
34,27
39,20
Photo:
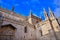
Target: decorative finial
51,13
0,5
49,9
30,12
45,12
12,8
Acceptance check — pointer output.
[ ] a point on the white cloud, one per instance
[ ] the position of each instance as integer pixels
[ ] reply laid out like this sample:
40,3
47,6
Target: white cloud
35,15
57,2
57,12
40,14
57,9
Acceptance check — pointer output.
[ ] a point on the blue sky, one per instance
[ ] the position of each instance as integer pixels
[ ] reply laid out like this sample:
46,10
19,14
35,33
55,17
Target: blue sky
23,7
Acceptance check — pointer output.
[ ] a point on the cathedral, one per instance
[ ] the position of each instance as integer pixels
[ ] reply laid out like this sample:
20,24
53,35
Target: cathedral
18,27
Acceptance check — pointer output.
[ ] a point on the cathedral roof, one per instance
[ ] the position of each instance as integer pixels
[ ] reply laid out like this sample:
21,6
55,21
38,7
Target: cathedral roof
36,18
33,16
17,15
13,13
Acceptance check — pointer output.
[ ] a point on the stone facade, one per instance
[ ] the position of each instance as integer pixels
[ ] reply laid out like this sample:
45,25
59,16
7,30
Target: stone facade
28,28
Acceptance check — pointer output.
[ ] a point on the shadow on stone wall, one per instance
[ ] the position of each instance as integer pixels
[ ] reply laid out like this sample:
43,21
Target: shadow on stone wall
50,36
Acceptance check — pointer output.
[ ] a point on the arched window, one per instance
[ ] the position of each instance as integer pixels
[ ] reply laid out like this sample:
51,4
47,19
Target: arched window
36,21
25,29
41,32
34,27
8,32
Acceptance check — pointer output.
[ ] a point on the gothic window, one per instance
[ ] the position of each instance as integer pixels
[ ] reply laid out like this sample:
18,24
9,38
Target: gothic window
36,21
6,35
8,32
34,27
25,29
41,32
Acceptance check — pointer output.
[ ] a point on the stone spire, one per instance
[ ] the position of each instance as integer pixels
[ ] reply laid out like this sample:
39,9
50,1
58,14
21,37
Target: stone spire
51,13
45,14
30,17
30,13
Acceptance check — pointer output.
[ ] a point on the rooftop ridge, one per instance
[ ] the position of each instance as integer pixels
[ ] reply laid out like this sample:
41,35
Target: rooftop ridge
8,11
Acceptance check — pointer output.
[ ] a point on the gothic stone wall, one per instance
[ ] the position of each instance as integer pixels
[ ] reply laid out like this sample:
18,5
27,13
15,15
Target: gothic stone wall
20,32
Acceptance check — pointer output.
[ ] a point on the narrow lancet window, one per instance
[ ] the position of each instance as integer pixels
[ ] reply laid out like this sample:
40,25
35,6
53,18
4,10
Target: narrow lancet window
25,29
